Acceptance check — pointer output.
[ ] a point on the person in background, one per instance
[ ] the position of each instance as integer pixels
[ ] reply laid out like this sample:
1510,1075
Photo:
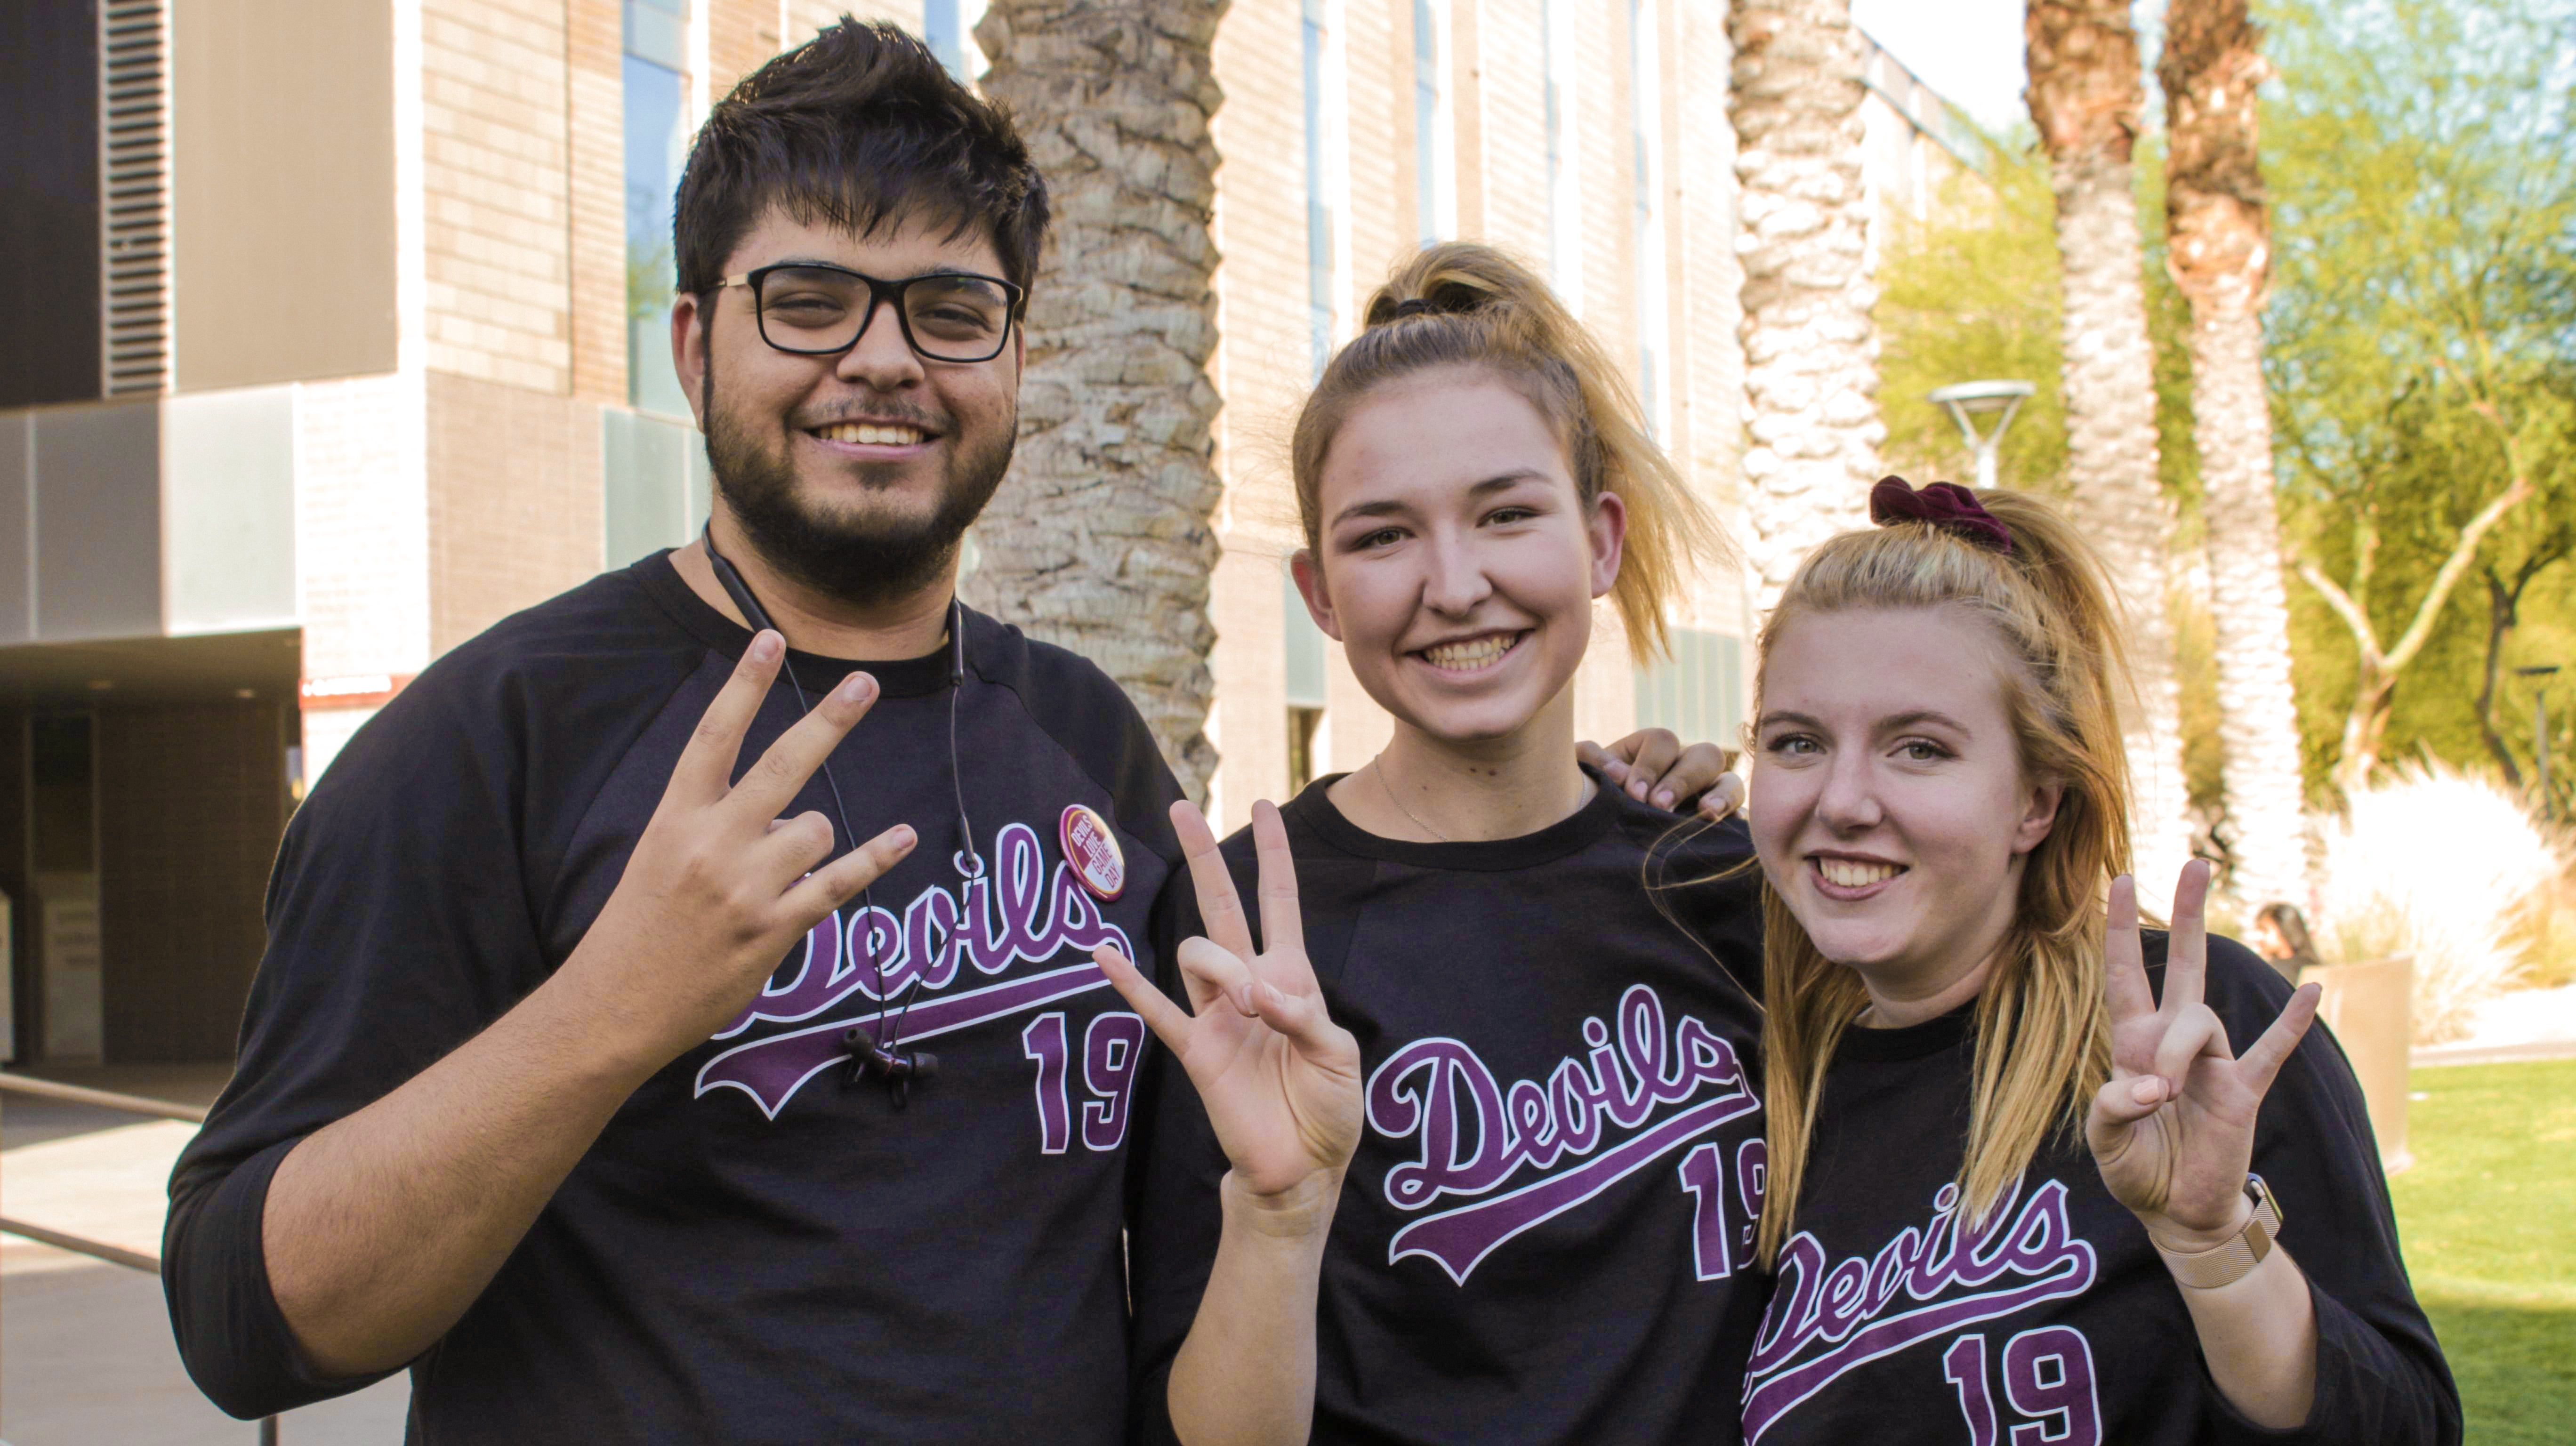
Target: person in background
2281,937
1502,1198
2034,1174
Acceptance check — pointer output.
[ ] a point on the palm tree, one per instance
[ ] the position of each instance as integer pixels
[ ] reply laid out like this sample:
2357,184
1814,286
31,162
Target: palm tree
1810,350
1102,540
2220,245
2085,91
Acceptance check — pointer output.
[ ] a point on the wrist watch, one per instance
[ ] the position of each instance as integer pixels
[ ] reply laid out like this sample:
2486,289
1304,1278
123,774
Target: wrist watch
2228,1261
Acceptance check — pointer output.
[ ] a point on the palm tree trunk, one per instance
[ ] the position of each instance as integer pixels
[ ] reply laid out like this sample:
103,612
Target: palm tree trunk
2084,92
1810,349
2220,254
1101,540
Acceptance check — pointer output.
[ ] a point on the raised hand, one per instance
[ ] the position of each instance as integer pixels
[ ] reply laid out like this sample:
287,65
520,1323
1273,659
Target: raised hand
1653,766
2173,1128
1279,1079
719,885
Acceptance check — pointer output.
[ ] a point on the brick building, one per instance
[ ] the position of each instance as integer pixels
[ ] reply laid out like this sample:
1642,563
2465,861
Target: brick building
339,336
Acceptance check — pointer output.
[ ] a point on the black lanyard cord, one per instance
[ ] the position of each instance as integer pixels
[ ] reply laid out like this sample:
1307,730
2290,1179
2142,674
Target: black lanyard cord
884,1056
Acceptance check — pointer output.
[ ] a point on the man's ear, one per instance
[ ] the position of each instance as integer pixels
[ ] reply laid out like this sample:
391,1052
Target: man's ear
1309,577
2039,818
689,352
1607,530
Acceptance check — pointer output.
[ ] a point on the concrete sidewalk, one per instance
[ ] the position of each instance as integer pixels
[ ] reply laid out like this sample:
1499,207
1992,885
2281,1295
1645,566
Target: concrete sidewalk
85,1349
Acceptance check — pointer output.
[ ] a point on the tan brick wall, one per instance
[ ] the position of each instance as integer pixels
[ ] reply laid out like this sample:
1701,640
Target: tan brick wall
191,804
1499,108
361,526
1465,67
497,199
514,501
1705,285
595,154
740,35
1512,88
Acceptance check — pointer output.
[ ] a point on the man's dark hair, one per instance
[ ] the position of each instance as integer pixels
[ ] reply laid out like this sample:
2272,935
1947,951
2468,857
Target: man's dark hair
859,127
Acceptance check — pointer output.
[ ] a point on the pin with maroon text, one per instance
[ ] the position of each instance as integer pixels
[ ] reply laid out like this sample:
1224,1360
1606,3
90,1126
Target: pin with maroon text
1092,851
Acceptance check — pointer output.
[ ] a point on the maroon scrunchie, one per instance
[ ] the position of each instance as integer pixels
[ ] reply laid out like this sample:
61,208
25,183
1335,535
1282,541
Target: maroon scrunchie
1946,505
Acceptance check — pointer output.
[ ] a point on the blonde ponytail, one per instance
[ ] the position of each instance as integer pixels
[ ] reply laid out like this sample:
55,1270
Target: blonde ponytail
1466,305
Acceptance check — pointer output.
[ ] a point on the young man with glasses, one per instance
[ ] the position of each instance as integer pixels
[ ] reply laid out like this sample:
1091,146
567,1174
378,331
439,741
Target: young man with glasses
589,1072
527,1100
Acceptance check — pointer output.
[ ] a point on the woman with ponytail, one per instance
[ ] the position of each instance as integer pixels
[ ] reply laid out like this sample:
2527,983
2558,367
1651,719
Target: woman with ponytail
1516,1216
2034,1174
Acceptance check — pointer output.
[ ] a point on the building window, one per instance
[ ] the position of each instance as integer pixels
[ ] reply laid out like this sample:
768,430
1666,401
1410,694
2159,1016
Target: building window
1564,184
1434,148
1302,668
657,145
1319,208
947,27
1646,109
1698,692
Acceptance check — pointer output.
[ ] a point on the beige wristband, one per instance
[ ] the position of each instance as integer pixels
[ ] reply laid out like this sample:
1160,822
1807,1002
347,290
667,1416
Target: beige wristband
2233,1258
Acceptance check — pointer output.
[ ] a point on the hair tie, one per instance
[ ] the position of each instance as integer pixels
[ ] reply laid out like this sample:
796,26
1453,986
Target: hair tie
1945,505
1411,306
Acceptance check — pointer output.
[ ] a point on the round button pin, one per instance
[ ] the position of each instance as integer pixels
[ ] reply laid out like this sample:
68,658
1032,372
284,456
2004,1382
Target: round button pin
1093,852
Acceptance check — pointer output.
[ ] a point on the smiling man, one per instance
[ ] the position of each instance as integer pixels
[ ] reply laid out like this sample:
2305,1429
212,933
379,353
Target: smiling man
527,1100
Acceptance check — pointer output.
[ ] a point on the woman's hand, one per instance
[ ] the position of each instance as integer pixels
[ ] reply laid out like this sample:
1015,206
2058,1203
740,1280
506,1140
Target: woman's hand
1652,766
1279,1079
2173,1129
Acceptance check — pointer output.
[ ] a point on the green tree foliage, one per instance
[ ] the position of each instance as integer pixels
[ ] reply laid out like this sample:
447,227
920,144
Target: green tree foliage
1969,292
2421,342
2421,156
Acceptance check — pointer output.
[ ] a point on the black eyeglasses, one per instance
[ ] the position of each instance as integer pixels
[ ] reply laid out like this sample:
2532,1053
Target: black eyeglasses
947,316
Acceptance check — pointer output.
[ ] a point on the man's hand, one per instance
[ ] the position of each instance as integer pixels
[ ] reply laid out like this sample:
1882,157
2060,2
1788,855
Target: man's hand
381,1230
1652,766
720,886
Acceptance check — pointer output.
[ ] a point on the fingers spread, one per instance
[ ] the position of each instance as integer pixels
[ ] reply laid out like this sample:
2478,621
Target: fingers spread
1220,909
781,772
2125,958
705,768
2264,1060
1160,1014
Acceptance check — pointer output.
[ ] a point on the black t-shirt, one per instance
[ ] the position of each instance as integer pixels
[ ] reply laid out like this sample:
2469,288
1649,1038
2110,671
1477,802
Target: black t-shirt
753,1250
2060,1323
1544,1236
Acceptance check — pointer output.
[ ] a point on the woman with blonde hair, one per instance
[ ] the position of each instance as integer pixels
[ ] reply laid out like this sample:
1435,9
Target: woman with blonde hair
1504,1206
2033,1174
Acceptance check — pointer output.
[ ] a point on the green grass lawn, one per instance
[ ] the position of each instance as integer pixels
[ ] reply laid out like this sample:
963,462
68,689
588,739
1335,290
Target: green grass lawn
2487,1217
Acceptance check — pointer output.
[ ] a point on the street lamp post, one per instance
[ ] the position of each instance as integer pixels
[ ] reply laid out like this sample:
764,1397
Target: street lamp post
2540,731
1970,400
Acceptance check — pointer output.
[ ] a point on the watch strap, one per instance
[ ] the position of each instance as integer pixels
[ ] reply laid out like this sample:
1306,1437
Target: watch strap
2231,1259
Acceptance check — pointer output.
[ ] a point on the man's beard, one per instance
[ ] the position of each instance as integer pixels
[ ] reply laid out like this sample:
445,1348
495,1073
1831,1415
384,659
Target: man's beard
860,560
